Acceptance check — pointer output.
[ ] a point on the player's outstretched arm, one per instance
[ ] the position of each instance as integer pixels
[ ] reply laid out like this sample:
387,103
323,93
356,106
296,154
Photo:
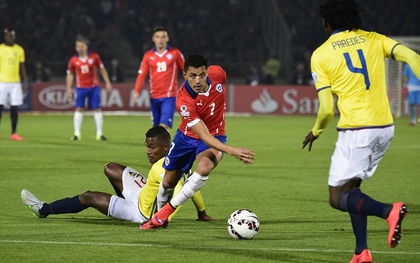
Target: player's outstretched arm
244,155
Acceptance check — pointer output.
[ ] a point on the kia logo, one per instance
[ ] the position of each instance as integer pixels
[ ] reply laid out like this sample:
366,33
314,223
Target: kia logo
55,97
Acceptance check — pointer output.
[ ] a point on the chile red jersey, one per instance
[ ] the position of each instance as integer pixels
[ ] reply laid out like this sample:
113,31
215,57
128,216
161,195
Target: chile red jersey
85,69
163,72
209,107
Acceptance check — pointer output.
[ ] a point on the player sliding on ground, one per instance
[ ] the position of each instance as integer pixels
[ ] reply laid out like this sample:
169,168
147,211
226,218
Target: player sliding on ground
135,199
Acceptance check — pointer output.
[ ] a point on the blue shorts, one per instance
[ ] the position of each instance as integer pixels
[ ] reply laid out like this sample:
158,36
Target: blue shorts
93,95
414,97
163,111
183,151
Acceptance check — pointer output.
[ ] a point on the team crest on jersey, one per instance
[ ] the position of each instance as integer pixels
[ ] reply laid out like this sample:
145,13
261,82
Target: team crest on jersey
167,161
90,61
169,56
314,76
184,111
219,88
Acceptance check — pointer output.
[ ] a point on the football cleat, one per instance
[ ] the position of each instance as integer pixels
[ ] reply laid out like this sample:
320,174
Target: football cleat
32,203
15,137
364,257
75,138
160,219
398,212
100,138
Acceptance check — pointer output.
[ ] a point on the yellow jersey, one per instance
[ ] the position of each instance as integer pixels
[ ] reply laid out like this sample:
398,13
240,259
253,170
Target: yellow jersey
147,199
351,64
10,59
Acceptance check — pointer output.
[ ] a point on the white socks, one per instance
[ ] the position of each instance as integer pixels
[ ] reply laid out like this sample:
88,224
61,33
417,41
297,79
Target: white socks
77,121
163,196
99,121
194,183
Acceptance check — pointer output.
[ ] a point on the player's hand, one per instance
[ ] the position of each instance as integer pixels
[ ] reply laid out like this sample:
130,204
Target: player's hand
136,96
244,155
108,87
310,138
70,93
24,87
203,216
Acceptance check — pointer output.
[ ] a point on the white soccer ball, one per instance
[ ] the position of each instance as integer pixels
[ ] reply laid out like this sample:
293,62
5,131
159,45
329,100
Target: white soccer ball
243,224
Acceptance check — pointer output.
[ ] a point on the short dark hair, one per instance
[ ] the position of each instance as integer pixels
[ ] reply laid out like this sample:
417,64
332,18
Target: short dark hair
195,61
160,28
342,14
160,133
80,38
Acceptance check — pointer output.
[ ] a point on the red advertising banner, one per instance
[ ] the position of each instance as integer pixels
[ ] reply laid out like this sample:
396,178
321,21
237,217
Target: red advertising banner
53,97
261,99
273,99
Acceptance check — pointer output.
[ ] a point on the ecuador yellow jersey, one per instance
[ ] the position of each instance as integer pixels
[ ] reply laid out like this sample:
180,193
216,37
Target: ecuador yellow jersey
10,59
147,198
352,65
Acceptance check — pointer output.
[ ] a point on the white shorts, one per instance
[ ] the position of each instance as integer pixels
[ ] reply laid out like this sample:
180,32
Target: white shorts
12,91
128,208
357,154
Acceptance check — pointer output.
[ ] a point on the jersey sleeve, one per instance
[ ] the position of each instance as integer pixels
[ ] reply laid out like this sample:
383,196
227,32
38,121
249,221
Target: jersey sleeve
98,61
142,74
217,74
21,55
180,60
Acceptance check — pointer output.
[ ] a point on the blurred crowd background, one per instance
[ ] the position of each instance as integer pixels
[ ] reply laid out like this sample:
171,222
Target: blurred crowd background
249,38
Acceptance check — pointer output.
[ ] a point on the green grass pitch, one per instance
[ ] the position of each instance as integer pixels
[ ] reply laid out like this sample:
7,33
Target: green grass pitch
286,187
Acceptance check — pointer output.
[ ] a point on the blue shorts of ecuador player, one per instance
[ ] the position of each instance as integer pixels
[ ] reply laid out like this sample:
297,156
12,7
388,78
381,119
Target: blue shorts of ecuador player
92,94
183,151
163,111
414,97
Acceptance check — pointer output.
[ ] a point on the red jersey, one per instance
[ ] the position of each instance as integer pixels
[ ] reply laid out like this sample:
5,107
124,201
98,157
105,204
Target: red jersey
209,107
163,72
85,69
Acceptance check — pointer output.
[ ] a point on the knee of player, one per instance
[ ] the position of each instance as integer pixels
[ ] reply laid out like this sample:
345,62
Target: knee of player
334,202
87,198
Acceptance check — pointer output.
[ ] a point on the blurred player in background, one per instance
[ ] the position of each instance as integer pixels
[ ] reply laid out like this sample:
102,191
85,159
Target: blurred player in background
135,199
162,63
412,82
12,68
201,136
84,65
351,65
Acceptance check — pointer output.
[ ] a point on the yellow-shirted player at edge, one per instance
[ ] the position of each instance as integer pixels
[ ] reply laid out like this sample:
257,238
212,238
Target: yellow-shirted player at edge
12,68
351,66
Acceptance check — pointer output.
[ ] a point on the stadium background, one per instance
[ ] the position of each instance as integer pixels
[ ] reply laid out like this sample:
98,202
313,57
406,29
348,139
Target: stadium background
234,34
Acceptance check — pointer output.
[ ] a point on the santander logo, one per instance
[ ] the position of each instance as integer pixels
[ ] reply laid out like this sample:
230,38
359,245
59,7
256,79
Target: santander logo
55,97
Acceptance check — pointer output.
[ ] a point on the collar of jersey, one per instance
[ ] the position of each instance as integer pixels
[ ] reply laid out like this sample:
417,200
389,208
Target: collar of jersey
191,91
337,31
167,48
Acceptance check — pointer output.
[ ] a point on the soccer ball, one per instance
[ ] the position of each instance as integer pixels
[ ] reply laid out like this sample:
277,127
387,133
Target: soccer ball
243,224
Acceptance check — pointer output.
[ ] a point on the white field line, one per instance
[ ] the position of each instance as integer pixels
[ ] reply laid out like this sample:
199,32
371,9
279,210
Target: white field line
200,247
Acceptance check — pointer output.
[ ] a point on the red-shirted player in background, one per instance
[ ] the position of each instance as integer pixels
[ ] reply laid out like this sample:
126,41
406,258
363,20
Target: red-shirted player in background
162,63
201,136
85,65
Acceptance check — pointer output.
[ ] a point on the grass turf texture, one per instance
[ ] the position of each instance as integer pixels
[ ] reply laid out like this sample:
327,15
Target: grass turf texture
286,188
